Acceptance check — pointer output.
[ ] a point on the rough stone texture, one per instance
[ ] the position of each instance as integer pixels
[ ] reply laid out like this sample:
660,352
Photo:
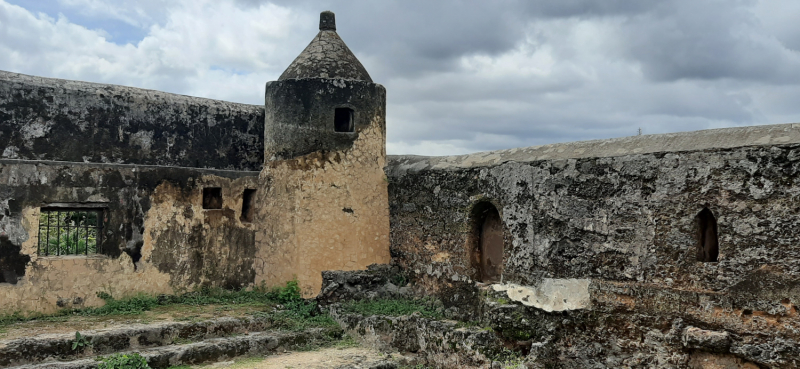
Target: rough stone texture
723,138
136,337
441,344
624,221
326,56
157,238
53,119
325,211
708,340
300,115
379,281
212,350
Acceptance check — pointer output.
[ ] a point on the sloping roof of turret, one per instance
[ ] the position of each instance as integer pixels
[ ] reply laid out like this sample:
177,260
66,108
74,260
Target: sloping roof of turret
326,56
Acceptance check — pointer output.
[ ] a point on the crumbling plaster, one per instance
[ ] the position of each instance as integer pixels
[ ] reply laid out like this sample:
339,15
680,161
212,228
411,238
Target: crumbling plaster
325,211
154,217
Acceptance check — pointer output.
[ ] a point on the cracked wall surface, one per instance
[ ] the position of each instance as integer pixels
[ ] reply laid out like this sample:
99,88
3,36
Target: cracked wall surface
624,221
156,237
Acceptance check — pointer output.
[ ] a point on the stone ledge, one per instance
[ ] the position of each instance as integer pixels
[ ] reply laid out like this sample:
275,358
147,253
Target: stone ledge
211,350
711,139
106,341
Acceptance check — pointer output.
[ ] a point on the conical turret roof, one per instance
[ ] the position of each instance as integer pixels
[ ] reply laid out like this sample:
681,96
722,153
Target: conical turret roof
326,56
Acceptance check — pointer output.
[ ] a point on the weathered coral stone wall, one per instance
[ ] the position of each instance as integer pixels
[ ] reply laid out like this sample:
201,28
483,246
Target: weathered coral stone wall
54,119
325,211
323,208
618,218
157,236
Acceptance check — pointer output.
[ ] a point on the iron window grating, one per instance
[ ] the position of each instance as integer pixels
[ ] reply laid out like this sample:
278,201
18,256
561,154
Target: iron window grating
69,231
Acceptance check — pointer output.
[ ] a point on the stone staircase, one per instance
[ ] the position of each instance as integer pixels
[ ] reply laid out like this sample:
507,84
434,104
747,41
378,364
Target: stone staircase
162,344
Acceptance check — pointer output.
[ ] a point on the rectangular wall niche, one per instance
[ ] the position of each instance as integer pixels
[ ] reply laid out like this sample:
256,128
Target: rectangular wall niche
69,231
343,120
248,198
212,198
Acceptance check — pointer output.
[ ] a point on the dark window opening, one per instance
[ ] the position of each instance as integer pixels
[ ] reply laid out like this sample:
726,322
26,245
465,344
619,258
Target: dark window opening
707,238
487,242
12,261
64,231
343,120
248,197
212,198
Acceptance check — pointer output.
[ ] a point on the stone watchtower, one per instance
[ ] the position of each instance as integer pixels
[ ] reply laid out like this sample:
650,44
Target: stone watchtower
323,101
324,151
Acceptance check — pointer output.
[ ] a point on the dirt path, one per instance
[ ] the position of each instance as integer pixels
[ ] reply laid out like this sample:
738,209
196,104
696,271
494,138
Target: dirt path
350,358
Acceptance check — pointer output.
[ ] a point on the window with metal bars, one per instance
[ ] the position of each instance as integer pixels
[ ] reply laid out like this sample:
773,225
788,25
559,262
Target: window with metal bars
65,231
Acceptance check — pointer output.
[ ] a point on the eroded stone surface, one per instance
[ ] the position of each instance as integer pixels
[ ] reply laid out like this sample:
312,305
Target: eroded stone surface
620,213
326,56
53,119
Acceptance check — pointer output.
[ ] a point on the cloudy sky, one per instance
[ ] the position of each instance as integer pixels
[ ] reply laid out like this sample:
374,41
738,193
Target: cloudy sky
462,76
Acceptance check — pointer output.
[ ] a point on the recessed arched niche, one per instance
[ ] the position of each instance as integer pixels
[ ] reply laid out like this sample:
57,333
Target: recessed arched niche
706,236
486,242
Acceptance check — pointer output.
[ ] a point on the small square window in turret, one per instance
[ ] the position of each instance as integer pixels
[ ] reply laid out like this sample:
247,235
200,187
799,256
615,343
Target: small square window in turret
343,120
212,198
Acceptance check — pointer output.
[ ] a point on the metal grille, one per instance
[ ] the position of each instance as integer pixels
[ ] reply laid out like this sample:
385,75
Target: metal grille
69,231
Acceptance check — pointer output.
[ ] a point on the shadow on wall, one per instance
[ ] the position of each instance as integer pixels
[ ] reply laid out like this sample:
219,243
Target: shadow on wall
12,263
485,242
707,238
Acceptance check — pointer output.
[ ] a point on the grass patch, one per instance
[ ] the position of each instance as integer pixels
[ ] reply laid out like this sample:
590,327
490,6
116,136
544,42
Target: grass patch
246,362
138,304
347,341
393,307
297,315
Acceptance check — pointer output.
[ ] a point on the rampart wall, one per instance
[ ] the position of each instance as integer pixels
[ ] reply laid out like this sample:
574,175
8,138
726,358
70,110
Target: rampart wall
601,237
60,120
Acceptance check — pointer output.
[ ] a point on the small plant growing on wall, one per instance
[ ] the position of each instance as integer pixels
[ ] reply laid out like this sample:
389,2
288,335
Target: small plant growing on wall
79,343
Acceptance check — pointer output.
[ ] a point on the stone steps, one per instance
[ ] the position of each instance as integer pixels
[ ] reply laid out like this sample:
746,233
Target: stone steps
210,350
163,344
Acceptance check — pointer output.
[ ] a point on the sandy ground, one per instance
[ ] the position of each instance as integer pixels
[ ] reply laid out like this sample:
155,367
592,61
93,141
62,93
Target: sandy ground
352,357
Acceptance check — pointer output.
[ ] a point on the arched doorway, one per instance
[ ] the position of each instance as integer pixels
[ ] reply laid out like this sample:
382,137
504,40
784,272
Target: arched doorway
707,238
487,242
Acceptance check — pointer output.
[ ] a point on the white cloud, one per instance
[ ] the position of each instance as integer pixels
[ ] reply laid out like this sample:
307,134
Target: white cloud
206,48
460,79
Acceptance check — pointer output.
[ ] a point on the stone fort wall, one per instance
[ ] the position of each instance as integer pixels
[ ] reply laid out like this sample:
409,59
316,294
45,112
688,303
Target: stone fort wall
601,243
61,120
184,200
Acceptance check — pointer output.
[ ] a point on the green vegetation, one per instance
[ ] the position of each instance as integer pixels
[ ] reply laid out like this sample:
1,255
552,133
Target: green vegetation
288,295
393,307
297,315
123,361
509,358
68,232
79,343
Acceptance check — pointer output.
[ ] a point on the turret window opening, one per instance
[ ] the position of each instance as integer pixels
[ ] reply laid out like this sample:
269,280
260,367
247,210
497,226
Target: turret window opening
212,198
343,120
